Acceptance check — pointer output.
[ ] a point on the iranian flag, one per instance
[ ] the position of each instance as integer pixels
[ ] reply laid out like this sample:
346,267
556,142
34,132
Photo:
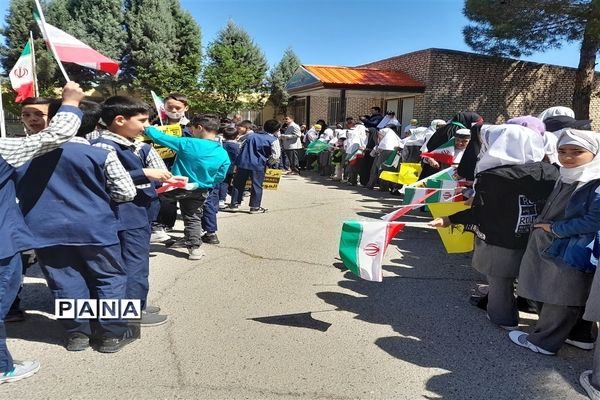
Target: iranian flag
22,75
363,244
443,154
72,50
159,104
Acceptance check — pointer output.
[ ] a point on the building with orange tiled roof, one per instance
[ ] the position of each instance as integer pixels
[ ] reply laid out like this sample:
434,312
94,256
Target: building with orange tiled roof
430,84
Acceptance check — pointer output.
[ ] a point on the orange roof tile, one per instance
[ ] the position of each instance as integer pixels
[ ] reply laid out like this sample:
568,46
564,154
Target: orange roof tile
332,76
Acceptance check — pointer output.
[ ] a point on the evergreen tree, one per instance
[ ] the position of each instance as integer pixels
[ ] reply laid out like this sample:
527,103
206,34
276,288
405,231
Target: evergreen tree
236,66
279,77
521,27
18,22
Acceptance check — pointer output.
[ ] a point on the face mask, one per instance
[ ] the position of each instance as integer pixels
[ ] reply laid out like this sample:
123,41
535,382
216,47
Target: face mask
174,115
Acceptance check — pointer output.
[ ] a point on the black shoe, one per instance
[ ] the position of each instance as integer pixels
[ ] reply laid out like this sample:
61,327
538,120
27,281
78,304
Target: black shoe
210,238
479,301
257,210
15,316
78,341
112,345
526,305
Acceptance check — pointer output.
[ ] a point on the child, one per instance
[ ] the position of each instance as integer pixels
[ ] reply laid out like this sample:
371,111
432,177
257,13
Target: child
176,105
15,236
126,119
80,261
511,184
257,151
204,161
556,269
232,147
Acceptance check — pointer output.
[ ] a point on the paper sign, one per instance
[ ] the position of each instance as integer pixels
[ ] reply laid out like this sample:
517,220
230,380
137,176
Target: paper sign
455,238
272,179
163,152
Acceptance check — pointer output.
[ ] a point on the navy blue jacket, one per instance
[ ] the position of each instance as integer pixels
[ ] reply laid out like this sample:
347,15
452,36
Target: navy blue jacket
578,231
256,151
64,200
145,206
233,150
15,236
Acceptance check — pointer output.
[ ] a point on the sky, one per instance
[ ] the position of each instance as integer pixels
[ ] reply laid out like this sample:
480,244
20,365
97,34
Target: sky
345,32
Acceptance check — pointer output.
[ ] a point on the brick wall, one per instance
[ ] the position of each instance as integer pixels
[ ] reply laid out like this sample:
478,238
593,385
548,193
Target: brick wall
318,108
497,88
358,106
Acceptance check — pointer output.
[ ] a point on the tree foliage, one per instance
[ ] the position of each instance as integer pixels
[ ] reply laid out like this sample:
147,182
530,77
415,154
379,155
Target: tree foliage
235,73
164,52
522,27
18,23
279,77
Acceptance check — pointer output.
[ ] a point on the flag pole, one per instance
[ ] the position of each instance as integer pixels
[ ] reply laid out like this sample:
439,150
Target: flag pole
2,124
49,42
33,67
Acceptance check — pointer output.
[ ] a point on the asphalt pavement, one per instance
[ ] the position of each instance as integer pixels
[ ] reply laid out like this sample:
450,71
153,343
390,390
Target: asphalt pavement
271,313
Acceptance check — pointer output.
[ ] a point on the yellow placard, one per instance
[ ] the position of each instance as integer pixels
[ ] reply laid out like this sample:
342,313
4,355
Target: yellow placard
164,152
454,238
408,174
272,179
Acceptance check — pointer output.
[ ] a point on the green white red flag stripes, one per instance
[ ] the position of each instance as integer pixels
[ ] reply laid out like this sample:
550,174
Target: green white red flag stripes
363,245
22,75
443,154
159,104
72,50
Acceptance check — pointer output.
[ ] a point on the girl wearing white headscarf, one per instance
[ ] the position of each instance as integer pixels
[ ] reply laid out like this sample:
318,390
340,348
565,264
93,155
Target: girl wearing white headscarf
511,184
434,126
556,111
556,269
389,142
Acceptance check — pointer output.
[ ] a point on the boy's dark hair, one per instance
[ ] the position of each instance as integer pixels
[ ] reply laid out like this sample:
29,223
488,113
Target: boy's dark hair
177,97
36,100
53,104
207,122
122,105
350,120
246,124
376,109
229,133
91,115
271,126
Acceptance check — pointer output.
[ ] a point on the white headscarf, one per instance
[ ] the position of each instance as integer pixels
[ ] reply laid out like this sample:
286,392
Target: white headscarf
417,137
508,145
430,131
390,140
556,111
591,142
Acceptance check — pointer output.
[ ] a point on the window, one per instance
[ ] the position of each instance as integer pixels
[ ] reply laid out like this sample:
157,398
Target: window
334,110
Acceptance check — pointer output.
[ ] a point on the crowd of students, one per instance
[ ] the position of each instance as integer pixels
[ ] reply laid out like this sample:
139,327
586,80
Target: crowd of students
534,194
533,184
81,189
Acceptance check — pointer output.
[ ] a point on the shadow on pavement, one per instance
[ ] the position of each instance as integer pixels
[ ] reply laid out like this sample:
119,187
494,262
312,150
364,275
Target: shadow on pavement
426,303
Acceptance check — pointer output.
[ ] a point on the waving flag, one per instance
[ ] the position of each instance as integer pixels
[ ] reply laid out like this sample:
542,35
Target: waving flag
22,75
71,50
443,154
159,104
316,147
363,244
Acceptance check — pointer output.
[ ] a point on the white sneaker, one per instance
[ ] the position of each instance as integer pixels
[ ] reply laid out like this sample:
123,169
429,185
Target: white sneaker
196,253
222,204
159,235
21,370
520,339
584,379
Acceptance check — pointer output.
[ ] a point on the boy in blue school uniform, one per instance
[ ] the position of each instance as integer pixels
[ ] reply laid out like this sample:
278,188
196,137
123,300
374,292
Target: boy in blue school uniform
15,236
232,147
258,150
80,260
125,119
204,161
